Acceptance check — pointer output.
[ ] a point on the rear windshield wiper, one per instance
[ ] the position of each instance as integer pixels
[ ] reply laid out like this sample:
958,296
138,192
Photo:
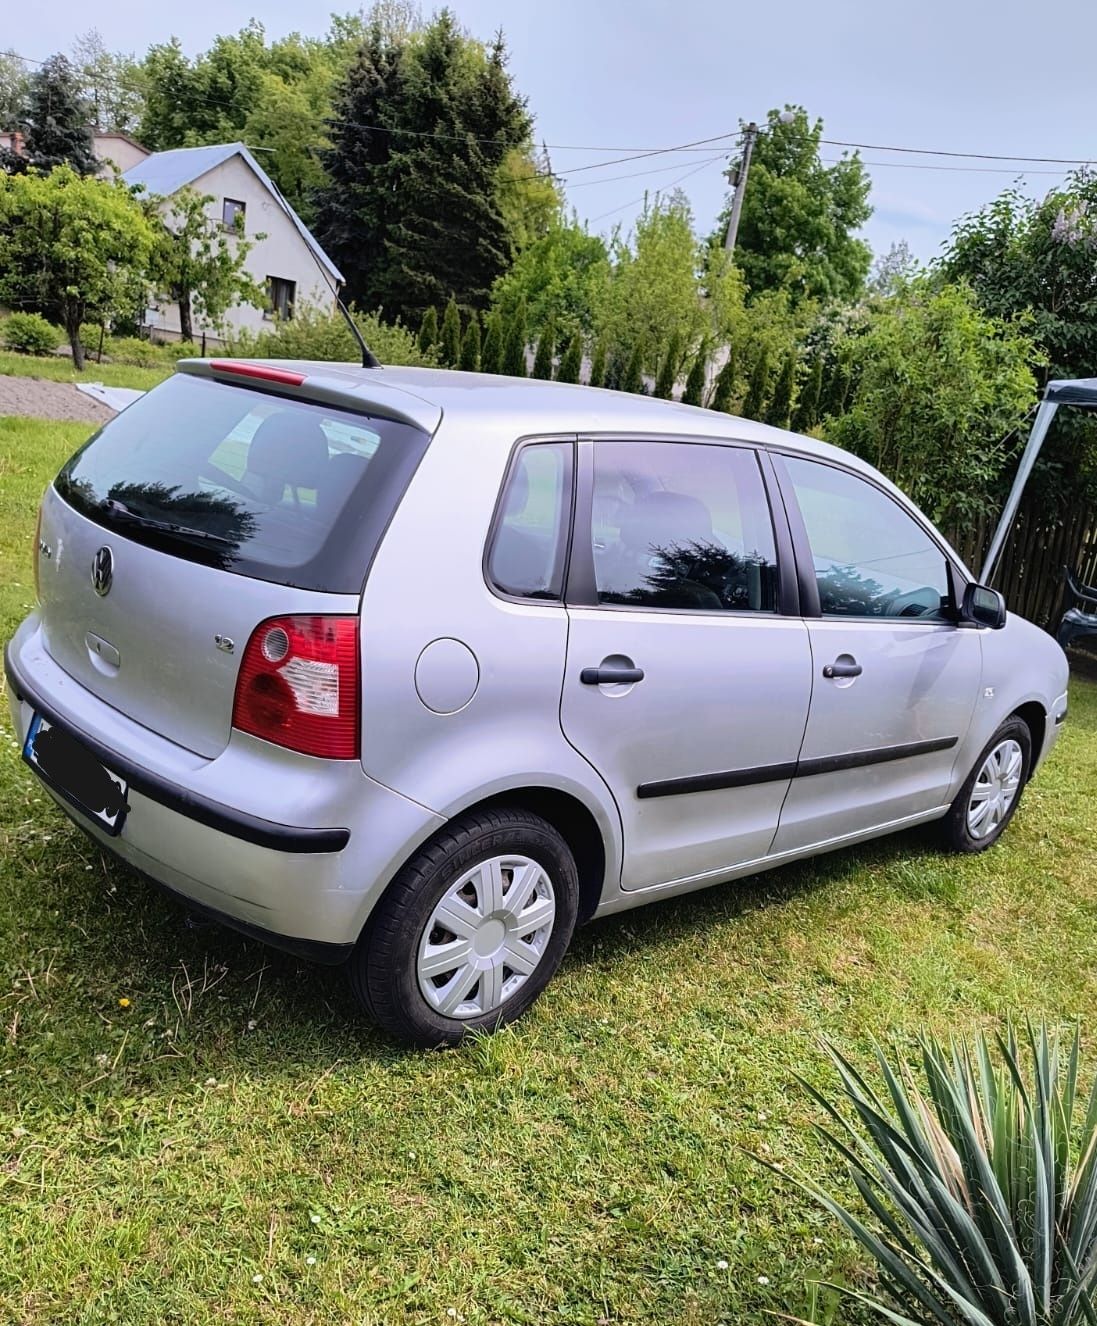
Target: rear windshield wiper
119,511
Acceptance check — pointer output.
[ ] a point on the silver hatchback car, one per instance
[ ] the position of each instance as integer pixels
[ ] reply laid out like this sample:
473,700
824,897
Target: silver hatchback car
414,670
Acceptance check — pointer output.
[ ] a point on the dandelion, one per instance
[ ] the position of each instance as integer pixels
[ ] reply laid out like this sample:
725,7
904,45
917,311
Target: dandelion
411,1155
257,1279
310,1261
211,1081
721,1265
18,1131
451,1312
817,1242
252,1024
123,1002
763,1279
315,1218
102,1060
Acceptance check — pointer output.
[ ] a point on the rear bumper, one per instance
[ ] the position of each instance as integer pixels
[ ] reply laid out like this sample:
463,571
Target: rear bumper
287,848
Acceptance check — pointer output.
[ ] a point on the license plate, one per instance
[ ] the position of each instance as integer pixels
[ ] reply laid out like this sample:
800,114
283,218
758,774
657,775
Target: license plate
72,770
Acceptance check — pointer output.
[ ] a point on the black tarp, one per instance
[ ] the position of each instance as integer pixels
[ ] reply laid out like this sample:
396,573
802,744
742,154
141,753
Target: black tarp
1073,391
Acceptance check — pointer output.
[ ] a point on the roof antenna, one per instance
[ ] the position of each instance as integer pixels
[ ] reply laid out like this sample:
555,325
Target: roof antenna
369,359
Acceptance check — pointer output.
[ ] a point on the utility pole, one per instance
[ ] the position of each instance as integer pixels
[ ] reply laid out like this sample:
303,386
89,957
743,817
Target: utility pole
749,135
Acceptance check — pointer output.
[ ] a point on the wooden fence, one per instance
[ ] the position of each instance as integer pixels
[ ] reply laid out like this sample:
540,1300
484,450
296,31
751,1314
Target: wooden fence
1041,543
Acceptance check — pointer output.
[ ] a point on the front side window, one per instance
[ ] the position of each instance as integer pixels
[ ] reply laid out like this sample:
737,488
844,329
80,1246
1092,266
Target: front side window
872,559
281,295
232,215
682,525
529,546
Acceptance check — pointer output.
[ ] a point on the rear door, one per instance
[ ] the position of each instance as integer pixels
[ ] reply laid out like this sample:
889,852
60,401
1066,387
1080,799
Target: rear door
895,679
197,513
686,684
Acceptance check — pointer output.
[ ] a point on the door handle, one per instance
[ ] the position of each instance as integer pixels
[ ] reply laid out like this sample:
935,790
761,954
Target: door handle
611,676
843,667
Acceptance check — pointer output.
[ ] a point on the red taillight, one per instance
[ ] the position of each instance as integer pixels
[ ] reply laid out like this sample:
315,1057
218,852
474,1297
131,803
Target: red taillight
298,685
267,372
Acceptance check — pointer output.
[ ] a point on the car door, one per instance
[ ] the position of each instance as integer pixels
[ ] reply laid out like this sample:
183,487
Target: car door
895,678
686,685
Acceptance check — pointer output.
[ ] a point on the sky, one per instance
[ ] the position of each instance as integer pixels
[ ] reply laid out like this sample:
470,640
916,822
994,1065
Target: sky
1000,77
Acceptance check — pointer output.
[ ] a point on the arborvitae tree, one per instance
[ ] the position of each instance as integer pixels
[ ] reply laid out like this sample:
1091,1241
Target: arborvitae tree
514,342
633,377
724,391
668,369
491,354
598,363
807,409
428,330
571,362
449,343
546,350
779,410
470,346
837,389
758,388
694,393
57,120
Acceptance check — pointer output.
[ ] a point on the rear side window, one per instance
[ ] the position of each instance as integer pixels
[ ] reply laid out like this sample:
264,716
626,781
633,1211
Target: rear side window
682,525
253,483
529,546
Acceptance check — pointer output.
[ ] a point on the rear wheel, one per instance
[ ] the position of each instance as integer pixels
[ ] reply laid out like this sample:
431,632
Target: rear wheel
989,797
471,930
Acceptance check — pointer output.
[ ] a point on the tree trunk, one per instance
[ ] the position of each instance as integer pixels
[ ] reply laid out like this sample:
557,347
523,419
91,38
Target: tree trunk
186,326
73,317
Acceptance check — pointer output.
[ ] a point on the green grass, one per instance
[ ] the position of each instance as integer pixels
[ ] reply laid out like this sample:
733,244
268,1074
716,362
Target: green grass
592,1164
59,368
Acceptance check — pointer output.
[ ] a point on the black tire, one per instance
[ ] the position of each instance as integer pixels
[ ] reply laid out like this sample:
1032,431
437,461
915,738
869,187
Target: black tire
955,831
383,968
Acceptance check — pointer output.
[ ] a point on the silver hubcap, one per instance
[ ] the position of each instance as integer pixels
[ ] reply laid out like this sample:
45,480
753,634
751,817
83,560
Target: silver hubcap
995,789
486,936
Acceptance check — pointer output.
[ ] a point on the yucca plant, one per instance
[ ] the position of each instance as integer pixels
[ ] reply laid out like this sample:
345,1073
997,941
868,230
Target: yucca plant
981,1177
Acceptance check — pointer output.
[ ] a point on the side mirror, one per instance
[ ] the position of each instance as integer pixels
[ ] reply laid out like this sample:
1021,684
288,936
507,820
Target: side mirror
983,606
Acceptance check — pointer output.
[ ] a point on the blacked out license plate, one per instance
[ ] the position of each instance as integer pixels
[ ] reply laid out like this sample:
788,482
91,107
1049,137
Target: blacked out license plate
72,770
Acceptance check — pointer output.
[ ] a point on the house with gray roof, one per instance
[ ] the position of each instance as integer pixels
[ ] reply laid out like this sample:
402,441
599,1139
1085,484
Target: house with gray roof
288,262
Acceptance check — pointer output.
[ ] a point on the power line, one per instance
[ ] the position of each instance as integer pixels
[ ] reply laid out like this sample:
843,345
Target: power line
945,152
672,185
919,165
634,175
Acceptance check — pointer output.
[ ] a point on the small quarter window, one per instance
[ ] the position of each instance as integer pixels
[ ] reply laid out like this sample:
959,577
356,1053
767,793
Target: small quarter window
682,525
529,548
281,295
872,559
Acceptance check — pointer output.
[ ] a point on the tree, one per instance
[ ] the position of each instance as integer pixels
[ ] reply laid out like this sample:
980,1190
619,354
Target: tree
598,363
668,369
514,342
197,263
449,343
546,351
563,276
110,84
938,384
470,346
724,391
491,355
428,329
410,211
893,269
530,198
571,362
807,408
694,393
632,379
74,246
758,389
14,84
57,119
779,410
799,218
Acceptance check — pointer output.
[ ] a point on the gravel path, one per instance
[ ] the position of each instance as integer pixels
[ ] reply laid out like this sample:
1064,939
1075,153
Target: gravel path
50,400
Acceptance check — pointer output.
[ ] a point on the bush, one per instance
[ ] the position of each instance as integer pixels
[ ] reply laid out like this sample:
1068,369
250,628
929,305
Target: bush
313,334
982,1178
30,334
132,350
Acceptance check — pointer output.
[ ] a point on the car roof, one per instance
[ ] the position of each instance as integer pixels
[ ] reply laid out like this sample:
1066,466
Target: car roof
529,406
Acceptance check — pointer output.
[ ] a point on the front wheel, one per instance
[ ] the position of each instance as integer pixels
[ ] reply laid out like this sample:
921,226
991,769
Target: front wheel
989,797
471,930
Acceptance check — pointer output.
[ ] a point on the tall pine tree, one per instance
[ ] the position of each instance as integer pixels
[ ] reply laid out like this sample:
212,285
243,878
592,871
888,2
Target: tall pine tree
491,353
546,350
668,369
428,330
694,393
514,341
633,377
410,211
571,361
449,343
598,364
724,391
470,346
57,120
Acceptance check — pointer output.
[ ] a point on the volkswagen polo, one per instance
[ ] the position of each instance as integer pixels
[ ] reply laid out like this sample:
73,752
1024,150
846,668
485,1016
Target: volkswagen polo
413,671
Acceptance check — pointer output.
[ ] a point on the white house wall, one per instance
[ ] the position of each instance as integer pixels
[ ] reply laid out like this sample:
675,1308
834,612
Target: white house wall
282,253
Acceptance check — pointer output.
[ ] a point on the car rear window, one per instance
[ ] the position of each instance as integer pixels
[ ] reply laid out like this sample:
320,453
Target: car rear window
255,483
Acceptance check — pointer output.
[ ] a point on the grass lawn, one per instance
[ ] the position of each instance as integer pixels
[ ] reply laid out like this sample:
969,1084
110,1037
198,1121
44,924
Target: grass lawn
59,368
196,1129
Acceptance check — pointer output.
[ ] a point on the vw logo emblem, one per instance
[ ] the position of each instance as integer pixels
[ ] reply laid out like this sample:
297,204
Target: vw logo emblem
102,571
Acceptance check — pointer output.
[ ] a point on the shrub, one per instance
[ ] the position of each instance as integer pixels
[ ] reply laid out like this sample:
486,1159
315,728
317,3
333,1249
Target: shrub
449,342
546,350
491,355
30,334
981,1178
694,393
668,369
571,362
428,330
723,393
598,364
314,334
132,350
470,346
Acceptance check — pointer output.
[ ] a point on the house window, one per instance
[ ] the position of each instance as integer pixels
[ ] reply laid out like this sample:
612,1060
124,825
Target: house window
232,215
281,294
